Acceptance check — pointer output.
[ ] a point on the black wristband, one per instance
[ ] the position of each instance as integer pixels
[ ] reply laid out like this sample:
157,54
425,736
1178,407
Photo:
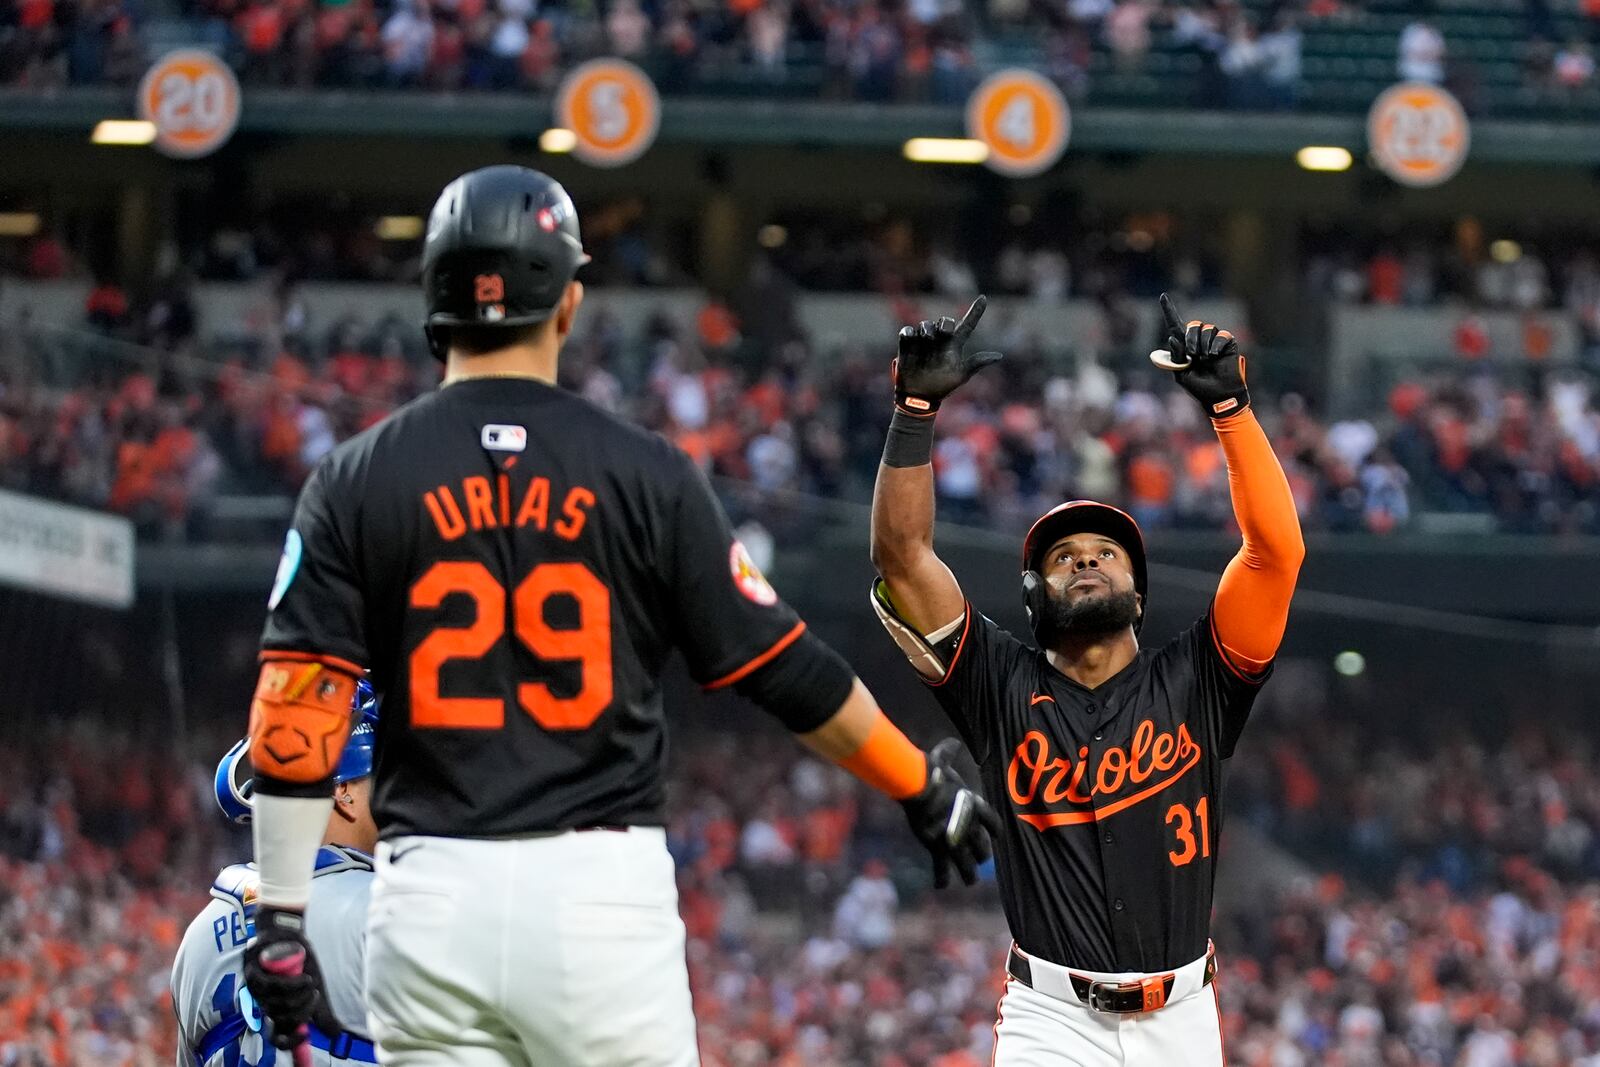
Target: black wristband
910,441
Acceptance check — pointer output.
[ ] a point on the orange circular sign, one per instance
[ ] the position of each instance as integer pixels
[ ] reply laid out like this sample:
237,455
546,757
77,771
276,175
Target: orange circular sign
612,109
193,99
1024,120
1418,134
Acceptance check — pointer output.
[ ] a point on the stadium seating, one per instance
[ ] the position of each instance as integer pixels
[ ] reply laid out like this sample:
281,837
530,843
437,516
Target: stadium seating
1498,56
106,850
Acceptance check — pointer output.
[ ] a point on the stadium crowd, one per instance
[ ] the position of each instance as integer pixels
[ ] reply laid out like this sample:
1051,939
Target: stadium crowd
162,439
922,50
814,940
1468,271
1437,805
1242,55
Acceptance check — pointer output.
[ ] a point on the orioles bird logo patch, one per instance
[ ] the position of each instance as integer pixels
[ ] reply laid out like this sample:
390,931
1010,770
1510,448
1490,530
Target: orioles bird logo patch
748,577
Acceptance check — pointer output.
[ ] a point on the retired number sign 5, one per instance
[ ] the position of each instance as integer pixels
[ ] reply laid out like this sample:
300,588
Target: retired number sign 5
1022,118
1418,134
192,98
612,109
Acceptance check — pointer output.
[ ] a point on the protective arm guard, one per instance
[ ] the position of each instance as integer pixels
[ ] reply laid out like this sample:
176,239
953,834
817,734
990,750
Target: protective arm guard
930,655
300,720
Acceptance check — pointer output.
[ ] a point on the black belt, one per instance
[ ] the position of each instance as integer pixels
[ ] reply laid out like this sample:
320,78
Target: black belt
1117,998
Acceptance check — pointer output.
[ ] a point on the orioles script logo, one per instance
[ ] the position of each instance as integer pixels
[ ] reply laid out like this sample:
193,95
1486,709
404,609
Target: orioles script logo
1157,758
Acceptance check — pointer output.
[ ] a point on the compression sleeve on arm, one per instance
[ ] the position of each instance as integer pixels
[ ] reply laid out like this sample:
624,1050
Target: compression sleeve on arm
287,832
888,761
802,686
1252,603
806,685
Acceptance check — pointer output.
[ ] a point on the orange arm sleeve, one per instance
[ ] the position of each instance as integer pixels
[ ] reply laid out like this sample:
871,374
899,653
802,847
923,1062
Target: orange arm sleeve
1252,604
888,761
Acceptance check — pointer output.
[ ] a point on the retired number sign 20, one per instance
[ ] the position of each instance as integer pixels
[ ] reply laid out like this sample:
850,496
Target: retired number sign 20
192,98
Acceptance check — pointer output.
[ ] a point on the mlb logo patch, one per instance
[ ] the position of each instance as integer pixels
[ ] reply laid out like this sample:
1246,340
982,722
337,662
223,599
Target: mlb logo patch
502,438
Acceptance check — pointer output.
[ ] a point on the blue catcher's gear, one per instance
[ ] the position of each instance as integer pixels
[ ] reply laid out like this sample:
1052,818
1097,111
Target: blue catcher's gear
234,783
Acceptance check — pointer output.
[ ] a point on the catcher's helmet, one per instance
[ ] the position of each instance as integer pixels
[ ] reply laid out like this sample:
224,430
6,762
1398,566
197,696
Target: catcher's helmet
1078,516
502,245
234,783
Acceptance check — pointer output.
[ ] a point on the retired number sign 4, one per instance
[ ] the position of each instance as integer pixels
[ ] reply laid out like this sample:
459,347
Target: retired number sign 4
1022,118
192,98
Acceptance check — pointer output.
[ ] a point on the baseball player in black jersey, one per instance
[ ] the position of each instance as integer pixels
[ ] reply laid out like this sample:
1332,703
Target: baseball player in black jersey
1105,758
514,567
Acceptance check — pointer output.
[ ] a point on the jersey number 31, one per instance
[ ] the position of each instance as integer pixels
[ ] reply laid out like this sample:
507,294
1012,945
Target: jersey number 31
589,645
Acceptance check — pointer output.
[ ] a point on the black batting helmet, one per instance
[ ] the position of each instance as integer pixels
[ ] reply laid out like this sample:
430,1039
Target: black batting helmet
1079,516
502,245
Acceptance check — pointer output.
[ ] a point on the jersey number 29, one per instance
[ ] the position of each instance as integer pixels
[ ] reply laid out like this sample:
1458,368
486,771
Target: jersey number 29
589,644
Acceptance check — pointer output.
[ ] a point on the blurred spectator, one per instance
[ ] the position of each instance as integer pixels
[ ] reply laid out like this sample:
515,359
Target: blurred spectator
407,42
865,914
1385,278
1127,30
106,309
1574,65
1245,64
1422,52
1280,48
627,28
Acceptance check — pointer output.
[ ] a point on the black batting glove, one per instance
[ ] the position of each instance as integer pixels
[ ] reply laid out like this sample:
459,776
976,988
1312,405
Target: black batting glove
1206,362
931,364
954,823
289,1001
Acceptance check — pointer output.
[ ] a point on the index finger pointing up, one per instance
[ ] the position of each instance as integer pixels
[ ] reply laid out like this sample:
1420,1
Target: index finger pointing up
969,321
1175,324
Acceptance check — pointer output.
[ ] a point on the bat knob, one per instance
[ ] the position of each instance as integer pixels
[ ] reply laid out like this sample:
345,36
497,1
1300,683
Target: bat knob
287,958
1163,359
283,958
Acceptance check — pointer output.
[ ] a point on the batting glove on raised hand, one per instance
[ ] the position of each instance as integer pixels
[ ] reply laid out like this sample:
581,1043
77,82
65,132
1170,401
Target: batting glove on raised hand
1206,362
931,364
289,999
955,824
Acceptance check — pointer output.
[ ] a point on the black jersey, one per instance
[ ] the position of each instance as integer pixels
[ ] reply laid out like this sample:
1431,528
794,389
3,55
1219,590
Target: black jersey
514,566
1112,797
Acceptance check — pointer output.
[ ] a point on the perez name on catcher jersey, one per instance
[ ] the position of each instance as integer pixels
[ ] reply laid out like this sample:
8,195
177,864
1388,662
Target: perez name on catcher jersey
219,1024
1112,797
515,565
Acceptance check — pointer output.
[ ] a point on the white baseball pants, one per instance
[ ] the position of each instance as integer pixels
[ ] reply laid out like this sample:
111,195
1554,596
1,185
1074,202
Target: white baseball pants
1050,1026
553,951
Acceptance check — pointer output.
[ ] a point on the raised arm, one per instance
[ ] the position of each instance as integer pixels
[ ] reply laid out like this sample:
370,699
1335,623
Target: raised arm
930,366
1252,603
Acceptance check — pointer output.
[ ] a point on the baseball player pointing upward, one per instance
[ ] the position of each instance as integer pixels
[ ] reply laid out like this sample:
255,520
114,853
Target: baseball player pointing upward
1105,758
515,566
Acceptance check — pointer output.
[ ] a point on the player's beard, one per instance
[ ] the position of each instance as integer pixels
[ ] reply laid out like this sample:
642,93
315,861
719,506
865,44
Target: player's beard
1092,616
